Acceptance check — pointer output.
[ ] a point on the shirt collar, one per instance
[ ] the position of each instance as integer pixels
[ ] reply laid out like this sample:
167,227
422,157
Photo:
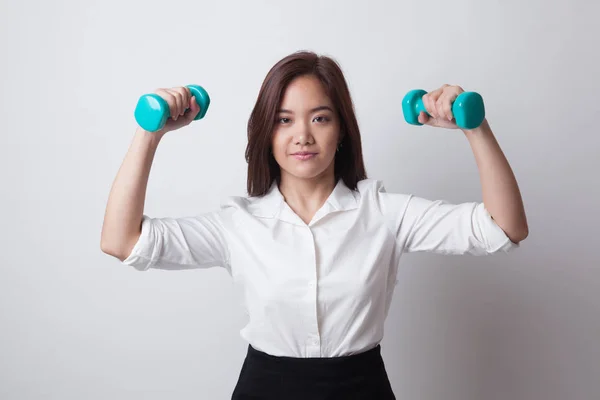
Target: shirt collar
273,205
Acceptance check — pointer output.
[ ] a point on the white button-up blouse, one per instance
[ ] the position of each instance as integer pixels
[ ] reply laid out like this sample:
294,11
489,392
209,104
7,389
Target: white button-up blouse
321,289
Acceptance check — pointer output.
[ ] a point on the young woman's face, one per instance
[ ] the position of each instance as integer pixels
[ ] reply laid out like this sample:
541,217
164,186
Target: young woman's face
307,131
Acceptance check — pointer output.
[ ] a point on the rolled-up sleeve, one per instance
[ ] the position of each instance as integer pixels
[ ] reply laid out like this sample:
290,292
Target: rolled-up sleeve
437,226
440,227
181,243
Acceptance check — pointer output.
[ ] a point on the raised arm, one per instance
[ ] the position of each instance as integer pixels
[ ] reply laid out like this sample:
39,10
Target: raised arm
501,195
124,211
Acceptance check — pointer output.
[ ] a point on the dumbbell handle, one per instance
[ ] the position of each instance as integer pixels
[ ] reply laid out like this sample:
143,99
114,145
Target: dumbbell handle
152,111
468,109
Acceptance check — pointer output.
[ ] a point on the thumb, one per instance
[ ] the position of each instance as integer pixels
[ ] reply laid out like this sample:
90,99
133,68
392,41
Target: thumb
423,118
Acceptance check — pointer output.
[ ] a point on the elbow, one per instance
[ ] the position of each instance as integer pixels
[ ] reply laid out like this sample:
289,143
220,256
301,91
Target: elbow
105,246
117,243
114,251
519,235
516,232
110,250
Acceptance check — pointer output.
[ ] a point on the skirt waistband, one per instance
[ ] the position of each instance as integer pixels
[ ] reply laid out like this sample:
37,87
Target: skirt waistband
369,362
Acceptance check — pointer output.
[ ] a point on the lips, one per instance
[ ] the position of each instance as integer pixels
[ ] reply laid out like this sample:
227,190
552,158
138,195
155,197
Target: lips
304,155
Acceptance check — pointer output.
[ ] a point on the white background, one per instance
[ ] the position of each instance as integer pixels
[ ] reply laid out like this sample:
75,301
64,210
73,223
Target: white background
75,324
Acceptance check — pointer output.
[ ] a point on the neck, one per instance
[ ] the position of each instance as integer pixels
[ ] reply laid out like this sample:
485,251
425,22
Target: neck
306,196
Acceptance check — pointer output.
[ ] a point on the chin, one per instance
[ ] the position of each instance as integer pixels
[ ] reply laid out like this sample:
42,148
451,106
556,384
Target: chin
306,173
312,169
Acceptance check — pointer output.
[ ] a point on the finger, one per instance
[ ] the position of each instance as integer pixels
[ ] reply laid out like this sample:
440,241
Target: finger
439,106
429,104
442,104
433,98
185,98
447,105
447,109
175,101
170,99
181,103
194,109
423,118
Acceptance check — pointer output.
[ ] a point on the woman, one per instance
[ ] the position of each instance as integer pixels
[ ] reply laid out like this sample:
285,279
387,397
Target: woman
315,247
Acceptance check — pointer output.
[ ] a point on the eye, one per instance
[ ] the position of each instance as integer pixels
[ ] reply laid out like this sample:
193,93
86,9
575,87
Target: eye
321,119
283,120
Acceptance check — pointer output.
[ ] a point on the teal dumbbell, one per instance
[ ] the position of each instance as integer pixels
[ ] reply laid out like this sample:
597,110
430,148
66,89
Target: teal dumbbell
152,111
467,109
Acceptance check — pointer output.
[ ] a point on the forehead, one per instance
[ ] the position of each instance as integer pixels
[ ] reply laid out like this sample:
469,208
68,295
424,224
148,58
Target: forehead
305,92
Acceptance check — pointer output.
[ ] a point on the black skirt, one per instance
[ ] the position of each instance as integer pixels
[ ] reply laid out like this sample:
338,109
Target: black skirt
354,377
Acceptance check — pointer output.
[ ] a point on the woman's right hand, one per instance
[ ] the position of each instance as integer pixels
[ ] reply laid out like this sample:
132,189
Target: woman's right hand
179,99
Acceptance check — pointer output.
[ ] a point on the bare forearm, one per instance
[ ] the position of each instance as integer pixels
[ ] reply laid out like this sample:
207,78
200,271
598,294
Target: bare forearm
501,194
125,207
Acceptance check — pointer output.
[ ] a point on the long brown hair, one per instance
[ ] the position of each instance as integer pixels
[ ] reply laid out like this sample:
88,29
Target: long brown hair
262,166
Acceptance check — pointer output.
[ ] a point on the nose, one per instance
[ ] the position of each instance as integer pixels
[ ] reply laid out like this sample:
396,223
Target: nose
303,140
303,137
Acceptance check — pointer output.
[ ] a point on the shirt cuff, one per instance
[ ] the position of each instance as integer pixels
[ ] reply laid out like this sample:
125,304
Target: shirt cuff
139,257
493,236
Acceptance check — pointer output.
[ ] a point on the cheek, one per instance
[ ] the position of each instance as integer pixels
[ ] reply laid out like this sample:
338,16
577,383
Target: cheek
279,146
332,140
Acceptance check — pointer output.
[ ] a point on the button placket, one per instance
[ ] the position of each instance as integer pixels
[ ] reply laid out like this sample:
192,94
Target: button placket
314,340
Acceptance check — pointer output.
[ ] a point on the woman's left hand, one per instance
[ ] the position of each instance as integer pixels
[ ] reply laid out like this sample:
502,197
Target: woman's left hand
438,104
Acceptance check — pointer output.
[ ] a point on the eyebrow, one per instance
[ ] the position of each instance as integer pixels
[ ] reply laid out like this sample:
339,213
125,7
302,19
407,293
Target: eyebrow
320,108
